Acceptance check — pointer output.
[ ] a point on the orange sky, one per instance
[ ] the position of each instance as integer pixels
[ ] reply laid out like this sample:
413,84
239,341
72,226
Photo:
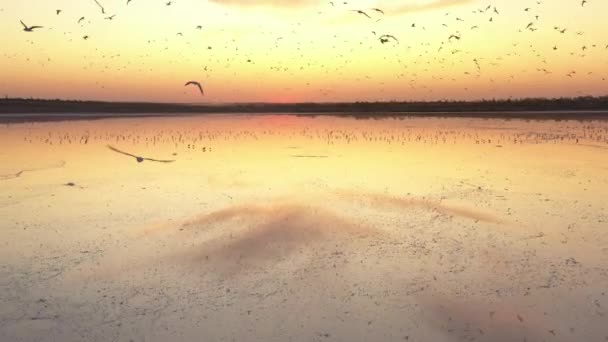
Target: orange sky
303,50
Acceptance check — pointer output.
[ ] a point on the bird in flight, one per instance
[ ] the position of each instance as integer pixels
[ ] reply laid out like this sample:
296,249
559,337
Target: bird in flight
385,38
29,28
197,84
138,158
378,10
103,11
361,12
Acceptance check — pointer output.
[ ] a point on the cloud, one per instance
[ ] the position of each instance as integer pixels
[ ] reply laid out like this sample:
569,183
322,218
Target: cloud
425,6
267,3
390,6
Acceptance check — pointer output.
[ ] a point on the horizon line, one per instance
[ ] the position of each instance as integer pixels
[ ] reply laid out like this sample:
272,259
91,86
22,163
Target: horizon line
508,99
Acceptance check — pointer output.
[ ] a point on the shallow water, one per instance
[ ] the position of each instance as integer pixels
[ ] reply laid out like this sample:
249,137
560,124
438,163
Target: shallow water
276,228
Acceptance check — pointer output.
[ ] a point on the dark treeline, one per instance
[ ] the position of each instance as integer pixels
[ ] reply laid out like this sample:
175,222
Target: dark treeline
593,107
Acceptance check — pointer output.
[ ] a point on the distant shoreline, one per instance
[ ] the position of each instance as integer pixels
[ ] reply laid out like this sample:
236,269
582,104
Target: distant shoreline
582,108
530,115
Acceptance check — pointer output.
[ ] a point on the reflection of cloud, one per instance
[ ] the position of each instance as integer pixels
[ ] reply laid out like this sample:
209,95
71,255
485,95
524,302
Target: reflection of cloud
256,235
384,200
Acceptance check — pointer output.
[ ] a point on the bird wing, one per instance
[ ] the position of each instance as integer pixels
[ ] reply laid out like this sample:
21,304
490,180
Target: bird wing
36,27
121,152
159,160
195,84
361,12
103,11
22,23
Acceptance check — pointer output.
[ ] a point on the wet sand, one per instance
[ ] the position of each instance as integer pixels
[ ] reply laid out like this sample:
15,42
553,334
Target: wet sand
405,230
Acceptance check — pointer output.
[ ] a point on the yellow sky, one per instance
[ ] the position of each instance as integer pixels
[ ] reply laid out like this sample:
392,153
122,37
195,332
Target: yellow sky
304,50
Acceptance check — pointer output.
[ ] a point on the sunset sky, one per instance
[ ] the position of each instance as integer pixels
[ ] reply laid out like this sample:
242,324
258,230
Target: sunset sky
304,50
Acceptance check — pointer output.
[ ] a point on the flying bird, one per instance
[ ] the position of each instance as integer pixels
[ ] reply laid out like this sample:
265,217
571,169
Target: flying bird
138,158
103,11
361,12
385,38
29,28
197,84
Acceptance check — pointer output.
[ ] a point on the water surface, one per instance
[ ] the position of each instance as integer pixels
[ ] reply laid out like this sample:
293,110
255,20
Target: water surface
277,228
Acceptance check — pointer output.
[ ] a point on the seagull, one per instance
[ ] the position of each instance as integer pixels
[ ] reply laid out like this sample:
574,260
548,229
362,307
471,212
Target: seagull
29,28
138,158
103,11
361,12
58,11
386,37
194,83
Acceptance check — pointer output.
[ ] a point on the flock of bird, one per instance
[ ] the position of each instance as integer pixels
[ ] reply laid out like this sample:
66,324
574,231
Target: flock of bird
436,58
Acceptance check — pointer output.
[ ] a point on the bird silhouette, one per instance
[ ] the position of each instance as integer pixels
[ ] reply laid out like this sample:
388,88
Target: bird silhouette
361,12
103,11
138,158
197,84
29,28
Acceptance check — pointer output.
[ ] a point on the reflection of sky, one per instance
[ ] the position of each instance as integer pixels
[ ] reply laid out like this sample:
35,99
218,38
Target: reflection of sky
399,153
308,51
437,229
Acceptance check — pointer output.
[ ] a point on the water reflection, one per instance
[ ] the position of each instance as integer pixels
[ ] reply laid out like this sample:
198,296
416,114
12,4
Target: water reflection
277,228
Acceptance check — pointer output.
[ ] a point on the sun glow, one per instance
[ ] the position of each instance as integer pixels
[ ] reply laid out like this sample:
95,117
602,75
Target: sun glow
288,51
